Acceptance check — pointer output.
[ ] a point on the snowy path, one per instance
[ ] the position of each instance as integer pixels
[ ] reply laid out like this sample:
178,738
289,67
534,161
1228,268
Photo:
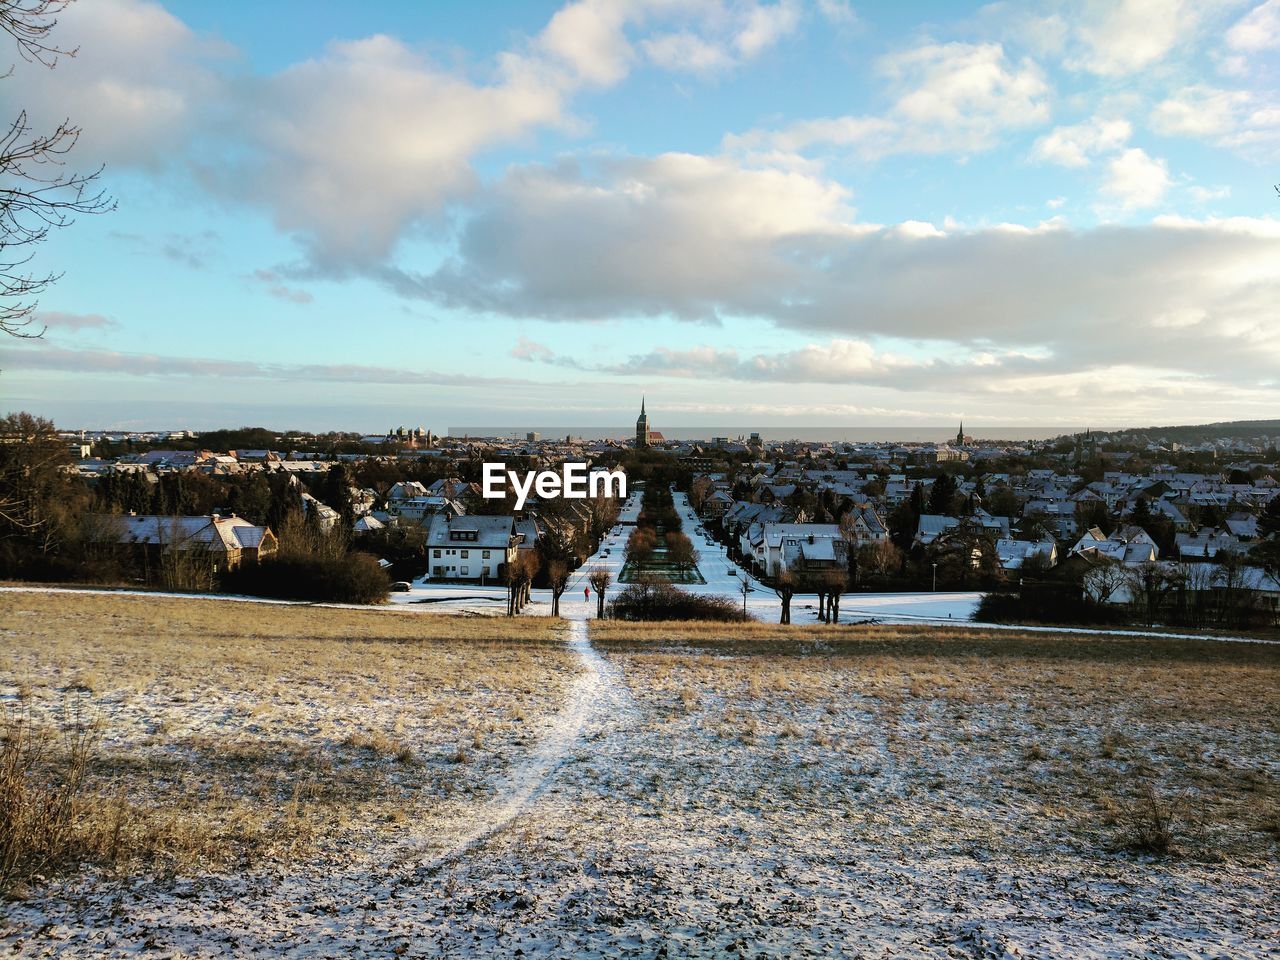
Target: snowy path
597,694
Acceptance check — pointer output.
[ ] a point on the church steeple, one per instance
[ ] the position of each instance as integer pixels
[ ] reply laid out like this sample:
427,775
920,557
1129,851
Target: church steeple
642,427
960,435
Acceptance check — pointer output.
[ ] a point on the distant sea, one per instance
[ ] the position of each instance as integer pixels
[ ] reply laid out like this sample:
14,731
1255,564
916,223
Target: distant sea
812,434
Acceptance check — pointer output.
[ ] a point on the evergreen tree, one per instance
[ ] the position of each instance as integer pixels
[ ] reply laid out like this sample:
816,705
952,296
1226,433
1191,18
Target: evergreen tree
1269,520
1141,515
943,494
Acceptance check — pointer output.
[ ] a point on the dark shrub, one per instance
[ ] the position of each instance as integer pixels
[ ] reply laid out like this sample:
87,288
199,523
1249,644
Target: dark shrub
650,599
355,578
19,562
1048,603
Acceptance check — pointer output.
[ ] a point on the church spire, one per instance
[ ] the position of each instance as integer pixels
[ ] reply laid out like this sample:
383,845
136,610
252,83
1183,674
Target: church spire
642,426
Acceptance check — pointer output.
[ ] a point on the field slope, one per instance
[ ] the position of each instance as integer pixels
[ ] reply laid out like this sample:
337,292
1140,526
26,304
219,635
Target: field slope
404,784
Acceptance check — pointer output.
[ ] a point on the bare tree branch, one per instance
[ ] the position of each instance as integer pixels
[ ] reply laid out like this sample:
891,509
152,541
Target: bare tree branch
38,195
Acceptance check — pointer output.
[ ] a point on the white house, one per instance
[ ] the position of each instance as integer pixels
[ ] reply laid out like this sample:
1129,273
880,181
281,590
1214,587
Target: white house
470,547
418,509
1128,545
1013,554
782,544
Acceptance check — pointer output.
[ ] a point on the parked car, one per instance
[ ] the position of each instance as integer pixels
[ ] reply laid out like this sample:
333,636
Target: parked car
400,586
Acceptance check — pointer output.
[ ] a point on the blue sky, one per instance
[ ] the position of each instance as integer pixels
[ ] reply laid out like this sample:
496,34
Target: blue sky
786,212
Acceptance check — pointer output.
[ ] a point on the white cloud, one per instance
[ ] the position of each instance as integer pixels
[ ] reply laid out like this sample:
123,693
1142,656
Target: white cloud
138,86
949,98
837,12
348,148
1136,180
1072,146
1236,119
966,90
1199,111
658,233
765,25
836,361
686,51
716,36
588,37
1207,194
1257,30
1131,35
701,239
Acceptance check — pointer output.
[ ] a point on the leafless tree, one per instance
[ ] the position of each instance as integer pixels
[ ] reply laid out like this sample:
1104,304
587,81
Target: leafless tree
558,580
1152,582
744,588
185,563
38,194
600,579
784,585
836,582
1105,579
519,576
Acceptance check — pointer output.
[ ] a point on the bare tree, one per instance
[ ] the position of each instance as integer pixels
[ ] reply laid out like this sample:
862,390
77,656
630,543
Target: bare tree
600,579
1152,583
38,194
784,585
836,582
558,580
1105,579
529,565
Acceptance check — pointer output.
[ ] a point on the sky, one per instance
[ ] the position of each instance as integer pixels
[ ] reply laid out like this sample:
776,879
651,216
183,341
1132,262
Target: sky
796,212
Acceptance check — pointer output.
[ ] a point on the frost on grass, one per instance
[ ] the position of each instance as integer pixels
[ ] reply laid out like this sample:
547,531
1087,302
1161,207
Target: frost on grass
756,791
221,736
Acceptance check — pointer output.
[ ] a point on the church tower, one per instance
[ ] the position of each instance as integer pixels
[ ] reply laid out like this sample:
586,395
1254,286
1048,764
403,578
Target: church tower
642,428
960,435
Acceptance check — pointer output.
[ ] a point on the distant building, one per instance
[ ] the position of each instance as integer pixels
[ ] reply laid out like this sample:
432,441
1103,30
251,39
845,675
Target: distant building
642,428
226,541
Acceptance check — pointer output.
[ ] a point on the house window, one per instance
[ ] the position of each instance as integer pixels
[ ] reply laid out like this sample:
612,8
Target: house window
466,570
486,554
465,554
437,554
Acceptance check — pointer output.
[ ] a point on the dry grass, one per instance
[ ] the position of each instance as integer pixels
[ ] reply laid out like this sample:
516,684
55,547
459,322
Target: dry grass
971,738
216,732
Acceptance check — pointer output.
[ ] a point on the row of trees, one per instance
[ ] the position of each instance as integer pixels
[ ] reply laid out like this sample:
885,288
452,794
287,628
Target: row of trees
659,531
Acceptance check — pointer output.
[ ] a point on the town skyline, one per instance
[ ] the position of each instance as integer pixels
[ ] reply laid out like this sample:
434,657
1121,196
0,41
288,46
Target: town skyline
791,214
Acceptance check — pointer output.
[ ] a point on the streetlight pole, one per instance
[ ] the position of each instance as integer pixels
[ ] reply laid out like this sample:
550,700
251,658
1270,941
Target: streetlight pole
935,578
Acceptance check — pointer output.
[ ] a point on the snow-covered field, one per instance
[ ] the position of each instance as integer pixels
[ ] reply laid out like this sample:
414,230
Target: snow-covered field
904,791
